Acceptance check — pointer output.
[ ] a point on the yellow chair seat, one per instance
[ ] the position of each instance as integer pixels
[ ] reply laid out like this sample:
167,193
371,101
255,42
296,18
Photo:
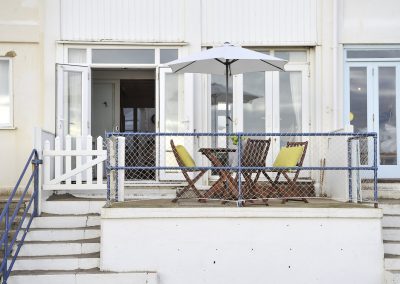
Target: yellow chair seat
185,157
288,156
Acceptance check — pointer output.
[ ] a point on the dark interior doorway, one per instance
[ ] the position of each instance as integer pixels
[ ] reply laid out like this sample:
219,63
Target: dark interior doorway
137,114
138,105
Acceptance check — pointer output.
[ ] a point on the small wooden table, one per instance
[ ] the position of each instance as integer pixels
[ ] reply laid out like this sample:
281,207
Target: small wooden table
226,186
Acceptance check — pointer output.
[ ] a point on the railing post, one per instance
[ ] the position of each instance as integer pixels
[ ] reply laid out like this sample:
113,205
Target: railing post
375,170
109,142
36,162
120,189
239,165
6,232
349,164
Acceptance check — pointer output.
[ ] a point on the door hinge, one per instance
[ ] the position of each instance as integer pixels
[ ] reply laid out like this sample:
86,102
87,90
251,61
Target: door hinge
373,71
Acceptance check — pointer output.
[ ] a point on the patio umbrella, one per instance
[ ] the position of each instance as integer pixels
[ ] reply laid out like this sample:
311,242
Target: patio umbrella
227,60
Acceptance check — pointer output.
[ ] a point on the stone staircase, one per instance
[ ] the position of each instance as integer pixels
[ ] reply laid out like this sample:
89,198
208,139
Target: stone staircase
63,246
391,238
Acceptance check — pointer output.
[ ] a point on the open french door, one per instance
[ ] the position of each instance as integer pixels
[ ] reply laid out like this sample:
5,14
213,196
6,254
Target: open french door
175,116
73,101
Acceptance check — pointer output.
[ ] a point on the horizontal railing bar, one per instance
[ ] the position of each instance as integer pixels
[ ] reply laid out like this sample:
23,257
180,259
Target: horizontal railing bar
239,168
364,134
54,153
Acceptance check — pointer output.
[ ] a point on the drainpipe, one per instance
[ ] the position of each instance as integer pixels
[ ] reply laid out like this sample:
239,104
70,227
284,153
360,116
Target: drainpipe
335,64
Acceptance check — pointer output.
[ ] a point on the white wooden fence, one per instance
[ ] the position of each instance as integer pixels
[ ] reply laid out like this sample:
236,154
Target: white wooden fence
74,164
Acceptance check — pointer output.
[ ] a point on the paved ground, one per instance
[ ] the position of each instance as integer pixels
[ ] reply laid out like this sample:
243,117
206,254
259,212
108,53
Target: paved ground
191,203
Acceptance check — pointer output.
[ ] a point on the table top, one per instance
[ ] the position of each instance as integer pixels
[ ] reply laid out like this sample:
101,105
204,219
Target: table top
202,150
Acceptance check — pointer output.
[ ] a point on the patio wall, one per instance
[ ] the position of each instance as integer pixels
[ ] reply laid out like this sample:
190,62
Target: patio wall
245,245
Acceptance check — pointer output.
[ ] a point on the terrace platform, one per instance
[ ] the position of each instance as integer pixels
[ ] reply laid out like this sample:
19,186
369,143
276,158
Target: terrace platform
323,241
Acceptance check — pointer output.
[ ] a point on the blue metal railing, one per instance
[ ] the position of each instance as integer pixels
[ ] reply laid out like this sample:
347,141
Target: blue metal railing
349,136
7,241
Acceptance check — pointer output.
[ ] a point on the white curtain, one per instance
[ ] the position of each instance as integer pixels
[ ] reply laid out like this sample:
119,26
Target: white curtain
295,91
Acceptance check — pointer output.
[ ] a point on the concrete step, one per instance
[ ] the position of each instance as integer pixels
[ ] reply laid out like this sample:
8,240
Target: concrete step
391,220
392,262
391,247
391,233
55,262
62,234
59,248
392,276
390,209
73,207
64,221
92,276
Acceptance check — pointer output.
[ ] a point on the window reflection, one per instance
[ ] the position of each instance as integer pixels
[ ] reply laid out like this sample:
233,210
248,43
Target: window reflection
218,108
387,116
358,98
290,97
254,102
73,103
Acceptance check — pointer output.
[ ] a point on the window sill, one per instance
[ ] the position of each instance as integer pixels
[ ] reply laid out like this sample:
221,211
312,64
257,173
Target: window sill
8,128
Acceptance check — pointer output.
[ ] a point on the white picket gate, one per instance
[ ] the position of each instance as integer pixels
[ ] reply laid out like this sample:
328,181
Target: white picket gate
66,176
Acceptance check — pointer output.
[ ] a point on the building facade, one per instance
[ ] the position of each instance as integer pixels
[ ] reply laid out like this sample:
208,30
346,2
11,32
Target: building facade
85,67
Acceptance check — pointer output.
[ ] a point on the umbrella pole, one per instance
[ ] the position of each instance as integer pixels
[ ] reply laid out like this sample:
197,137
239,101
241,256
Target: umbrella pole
226,105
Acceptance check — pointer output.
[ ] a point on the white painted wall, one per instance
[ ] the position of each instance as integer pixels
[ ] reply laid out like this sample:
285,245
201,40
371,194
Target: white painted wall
120,20
259,22
245,245
252,22
370,22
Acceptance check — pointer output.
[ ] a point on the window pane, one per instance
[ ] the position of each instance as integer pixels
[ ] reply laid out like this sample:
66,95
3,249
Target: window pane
254,102
290,103
383,53
387,116
358,98
4,92
76,55
167,55
73,103
218,108
293,56
123,56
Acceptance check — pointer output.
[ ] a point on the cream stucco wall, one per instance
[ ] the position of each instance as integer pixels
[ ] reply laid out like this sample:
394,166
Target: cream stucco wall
20,31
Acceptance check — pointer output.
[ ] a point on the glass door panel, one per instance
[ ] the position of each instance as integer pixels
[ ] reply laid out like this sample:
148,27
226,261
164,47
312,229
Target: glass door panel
387,116
73,101
358,98
176,116
290,104
218,108
254,102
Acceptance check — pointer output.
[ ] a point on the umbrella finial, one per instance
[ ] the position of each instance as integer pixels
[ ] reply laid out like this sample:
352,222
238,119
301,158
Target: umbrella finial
227,43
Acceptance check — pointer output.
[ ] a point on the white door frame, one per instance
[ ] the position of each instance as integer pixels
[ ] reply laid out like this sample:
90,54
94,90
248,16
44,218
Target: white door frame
384,171
86,100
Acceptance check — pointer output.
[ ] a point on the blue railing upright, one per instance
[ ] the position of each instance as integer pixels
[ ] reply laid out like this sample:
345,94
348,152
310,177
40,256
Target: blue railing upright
8,241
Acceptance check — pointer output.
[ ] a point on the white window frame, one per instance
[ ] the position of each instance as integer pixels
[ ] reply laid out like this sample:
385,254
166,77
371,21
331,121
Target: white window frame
9,125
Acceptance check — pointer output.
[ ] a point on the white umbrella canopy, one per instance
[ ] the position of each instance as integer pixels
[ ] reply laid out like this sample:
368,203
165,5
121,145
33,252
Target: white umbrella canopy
227,60
239,60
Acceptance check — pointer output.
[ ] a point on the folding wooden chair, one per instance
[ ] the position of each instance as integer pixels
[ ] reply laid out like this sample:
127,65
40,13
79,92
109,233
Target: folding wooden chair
254,155
184,159
290,181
